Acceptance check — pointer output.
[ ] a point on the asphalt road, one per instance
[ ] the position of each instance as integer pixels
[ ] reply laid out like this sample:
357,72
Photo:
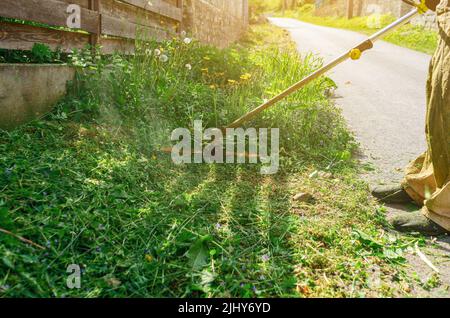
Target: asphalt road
382,94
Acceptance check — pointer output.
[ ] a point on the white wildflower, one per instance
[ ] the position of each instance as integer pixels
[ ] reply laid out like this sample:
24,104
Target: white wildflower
157,52
189,66
164,58
187,40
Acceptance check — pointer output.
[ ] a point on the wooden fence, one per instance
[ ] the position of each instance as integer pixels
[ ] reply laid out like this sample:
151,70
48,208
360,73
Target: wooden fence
112,24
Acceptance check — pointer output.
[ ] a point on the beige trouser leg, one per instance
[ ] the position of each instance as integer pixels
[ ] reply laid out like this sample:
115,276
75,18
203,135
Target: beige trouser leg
427,178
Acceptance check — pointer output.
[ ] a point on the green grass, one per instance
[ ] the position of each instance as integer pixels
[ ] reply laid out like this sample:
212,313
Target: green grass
90,183
411,36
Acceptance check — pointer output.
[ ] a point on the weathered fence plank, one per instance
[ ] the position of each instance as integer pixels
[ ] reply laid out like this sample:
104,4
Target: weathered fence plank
113,45
81,3
115,24
15,36
124,29
112,24
124,20
158,6
49,12
128,12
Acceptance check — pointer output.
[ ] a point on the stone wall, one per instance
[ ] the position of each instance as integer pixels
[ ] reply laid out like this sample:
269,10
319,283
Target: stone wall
217,22
427,20
361,7
29,91
397,8
331,8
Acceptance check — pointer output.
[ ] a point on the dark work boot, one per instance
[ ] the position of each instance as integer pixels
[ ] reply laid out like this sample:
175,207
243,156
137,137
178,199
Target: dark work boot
416,222
391,194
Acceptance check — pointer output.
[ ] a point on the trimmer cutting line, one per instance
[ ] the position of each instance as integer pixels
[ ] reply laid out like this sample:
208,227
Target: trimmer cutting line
354,54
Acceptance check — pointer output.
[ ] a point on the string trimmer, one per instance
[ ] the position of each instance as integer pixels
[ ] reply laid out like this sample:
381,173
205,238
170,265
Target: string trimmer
354,54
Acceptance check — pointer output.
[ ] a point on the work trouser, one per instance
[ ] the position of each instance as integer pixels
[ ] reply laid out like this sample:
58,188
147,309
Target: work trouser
427,178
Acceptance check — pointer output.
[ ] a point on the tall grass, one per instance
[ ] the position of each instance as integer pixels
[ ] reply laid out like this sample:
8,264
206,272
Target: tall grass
171,84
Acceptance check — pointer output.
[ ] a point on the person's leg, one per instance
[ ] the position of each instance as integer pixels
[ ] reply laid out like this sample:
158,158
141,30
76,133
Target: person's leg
428,178
419,182
419,175
437,208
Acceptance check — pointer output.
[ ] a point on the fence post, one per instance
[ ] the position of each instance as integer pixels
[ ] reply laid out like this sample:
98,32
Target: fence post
94,5
349,9
180,4
358,8
245,13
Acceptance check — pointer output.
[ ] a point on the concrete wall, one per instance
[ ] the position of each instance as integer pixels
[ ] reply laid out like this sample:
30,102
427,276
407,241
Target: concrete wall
28,91
217,22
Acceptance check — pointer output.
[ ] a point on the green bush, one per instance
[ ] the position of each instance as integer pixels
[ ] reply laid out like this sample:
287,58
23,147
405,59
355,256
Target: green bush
39,54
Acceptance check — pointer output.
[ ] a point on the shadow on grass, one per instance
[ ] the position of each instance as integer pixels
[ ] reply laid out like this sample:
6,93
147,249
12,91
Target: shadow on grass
129,221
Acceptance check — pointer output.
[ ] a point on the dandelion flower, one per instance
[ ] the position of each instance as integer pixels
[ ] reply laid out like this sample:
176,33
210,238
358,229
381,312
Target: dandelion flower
187,41
188,66
157,52
230,81
246,76
164,58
